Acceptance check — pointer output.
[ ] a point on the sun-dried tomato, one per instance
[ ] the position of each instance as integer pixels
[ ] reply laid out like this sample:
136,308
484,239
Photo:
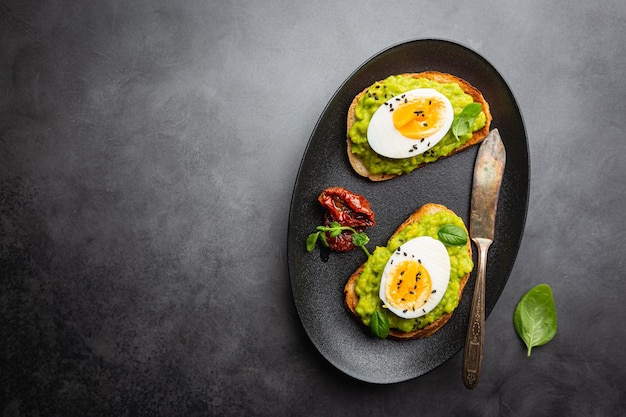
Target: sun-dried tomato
348,209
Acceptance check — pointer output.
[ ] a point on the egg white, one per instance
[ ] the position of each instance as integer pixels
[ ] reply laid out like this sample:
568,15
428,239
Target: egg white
386,140
434,257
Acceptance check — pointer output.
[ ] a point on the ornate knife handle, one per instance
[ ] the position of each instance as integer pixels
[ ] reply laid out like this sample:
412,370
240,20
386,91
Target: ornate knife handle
473,351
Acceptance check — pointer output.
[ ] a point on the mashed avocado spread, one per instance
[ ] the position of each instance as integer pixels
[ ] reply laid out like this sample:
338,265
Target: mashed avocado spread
392,86
368,283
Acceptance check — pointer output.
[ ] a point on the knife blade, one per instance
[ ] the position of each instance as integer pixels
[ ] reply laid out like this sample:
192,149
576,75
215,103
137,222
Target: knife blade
488,171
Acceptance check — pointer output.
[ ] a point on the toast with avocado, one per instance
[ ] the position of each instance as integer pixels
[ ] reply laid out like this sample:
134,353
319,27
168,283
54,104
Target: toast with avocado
376,167
426,221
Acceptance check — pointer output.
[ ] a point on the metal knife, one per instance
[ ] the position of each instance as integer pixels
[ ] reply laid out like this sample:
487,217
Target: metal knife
488,171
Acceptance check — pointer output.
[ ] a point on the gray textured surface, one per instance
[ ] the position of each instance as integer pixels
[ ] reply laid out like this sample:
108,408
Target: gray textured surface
148,152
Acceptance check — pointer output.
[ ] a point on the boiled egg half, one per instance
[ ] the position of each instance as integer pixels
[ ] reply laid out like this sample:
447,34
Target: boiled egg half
410,123
415,277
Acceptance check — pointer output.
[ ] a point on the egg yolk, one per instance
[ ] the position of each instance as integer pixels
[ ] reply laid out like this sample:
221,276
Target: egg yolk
408,286
419,118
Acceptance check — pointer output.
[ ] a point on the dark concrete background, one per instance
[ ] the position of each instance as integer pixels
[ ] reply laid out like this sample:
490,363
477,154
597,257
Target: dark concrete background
148,152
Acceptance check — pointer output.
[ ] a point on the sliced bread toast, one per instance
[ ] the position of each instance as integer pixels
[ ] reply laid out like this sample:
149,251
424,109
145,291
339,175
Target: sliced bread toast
352,298
443,78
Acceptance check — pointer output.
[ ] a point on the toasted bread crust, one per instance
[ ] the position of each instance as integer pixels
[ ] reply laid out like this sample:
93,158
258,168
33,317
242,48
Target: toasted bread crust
443,78
352,299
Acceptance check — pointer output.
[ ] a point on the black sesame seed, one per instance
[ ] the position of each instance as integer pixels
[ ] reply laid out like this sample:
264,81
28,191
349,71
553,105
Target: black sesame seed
424,310
433,291
405,254
411,292
422,140
404,311
430,102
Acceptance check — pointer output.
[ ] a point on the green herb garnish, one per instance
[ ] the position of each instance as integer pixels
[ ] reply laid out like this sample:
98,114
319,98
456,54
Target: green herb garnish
379,324
452,235
463,121
359,239
535,317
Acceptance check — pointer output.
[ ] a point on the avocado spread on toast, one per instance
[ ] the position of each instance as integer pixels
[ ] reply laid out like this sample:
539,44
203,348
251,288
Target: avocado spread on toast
368,283
392,86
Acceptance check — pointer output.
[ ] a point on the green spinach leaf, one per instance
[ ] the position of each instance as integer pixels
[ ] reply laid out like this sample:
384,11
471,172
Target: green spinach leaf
463,121
535,317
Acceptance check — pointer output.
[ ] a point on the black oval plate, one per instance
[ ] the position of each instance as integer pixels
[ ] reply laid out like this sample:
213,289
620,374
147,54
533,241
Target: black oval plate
317,285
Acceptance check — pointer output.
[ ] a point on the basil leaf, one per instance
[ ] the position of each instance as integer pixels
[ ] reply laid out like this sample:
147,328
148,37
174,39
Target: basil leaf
322,237
360,239
452,235
379,324
535,317
463,121
335,232
311,241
